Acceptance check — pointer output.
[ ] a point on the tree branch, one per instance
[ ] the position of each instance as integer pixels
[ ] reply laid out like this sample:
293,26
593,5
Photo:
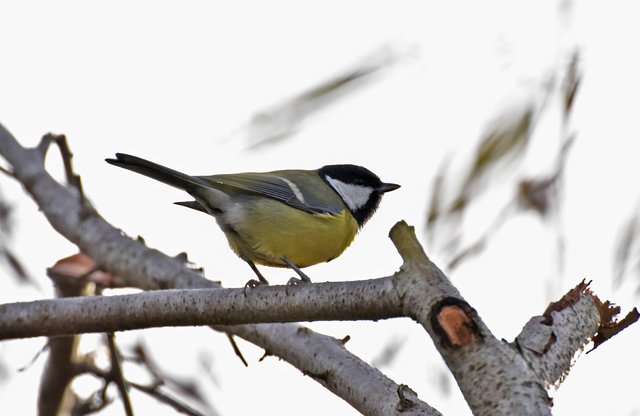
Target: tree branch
149,269
493,376
336,368
358,300
541,354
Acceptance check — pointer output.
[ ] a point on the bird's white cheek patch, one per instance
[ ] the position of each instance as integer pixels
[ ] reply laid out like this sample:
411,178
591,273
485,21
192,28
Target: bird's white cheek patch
354,196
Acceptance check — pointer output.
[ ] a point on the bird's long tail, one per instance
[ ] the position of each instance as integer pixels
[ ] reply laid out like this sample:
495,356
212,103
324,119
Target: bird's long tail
157,172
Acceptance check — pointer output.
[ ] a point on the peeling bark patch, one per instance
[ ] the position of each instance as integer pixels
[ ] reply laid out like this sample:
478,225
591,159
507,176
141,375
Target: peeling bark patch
452,319
536,336
569,299
610,327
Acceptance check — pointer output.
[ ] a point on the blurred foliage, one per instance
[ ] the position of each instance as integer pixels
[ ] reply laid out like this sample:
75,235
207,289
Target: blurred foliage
499,153
626,260
9,259
572,82
389,352
282,121
502,144
4,371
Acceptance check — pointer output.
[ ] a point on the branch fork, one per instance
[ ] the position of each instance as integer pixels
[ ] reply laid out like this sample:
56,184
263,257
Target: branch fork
495,377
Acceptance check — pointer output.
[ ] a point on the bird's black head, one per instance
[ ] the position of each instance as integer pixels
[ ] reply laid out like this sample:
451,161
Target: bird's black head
360,189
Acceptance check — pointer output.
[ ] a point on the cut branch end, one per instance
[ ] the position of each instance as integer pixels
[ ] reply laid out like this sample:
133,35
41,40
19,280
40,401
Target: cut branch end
404,238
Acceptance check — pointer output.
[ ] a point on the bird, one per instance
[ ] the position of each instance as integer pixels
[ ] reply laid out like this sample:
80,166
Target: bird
283,218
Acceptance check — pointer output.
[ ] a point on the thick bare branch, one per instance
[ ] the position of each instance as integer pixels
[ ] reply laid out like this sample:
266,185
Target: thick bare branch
550,345
333,368
358,300
494,378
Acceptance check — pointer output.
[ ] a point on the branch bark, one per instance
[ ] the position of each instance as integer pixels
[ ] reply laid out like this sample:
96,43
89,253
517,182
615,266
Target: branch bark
359,300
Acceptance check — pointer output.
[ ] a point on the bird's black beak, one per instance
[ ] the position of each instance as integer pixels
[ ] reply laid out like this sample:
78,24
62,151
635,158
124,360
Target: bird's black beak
387,187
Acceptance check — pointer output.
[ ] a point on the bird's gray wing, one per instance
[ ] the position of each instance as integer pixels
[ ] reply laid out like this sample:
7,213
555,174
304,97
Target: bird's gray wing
274,186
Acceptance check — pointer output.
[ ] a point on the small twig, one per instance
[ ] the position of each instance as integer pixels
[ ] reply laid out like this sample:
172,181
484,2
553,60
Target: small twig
65,152
155,392
117,375
34,358
236,349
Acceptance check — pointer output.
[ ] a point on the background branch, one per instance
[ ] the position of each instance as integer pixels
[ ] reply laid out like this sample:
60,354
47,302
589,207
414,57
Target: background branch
54,396
118,377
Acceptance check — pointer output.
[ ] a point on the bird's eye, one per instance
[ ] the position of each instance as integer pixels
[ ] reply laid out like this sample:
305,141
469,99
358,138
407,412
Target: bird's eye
358,181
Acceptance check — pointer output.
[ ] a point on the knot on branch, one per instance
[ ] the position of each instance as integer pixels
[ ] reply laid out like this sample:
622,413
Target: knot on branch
454,322
407,398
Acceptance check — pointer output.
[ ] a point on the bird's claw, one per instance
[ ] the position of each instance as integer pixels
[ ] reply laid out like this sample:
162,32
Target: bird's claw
252,284
294,281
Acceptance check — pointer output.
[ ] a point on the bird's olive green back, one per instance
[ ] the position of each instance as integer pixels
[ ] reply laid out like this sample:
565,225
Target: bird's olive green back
301,189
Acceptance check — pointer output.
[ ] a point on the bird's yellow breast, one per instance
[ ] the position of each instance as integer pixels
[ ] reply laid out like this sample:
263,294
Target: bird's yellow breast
269,230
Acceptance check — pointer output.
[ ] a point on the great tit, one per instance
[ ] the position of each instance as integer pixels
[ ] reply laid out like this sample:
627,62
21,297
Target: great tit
284,218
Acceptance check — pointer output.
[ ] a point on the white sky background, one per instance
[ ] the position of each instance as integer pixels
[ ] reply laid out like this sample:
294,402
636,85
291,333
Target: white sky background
171,81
